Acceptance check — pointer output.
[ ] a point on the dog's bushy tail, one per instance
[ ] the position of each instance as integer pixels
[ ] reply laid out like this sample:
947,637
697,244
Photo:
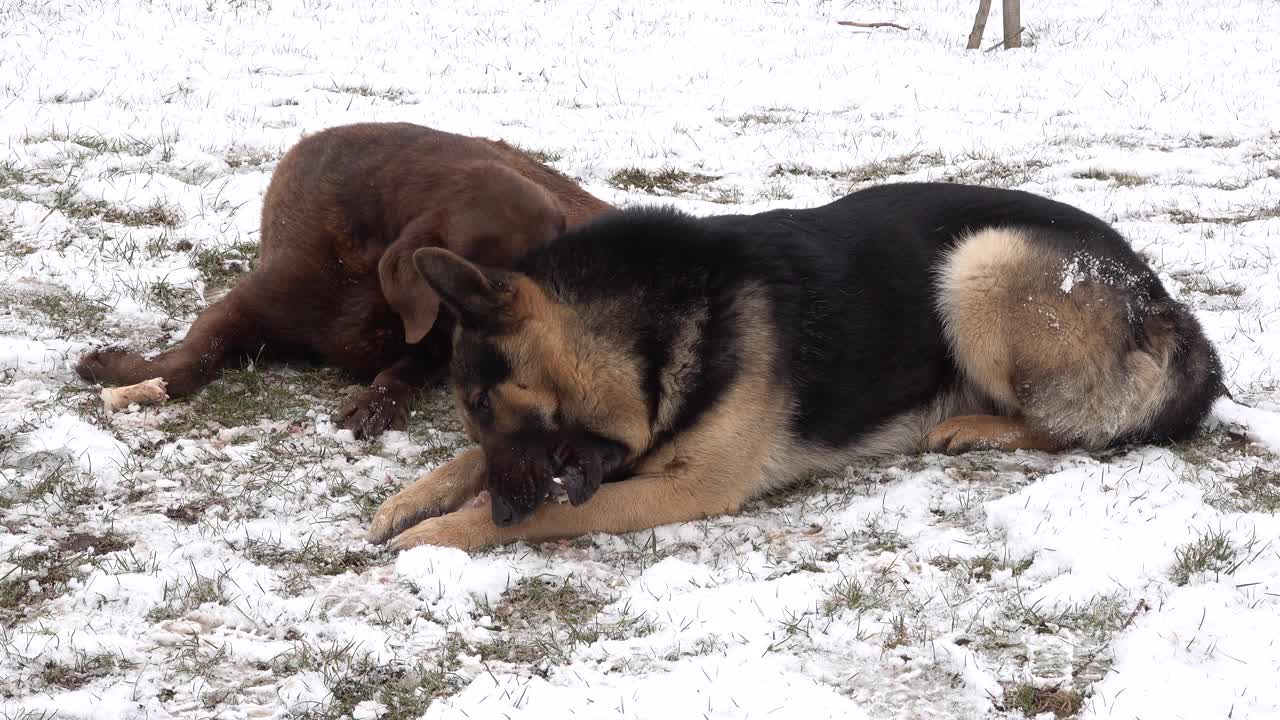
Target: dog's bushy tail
1072,343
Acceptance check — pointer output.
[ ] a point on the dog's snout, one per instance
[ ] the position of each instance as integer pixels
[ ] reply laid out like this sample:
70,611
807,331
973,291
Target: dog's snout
505,514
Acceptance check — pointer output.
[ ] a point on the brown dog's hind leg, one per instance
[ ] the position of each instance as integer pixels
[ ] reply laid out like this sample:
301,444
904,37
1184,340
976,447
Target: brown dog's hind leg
222,329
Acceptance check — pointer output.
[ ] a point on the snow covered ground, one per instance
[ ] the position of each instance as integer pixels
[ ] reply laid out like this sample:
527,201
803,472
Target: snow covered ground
206,558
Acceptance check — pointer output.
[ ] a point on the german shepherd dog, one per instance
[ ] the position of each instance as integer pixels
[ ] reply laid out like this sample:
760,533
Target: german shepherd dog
662,368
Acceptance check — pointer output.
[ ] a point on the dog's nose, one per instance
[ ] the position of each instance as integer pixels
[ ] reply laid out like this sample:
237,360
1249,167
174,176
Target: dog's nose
503,514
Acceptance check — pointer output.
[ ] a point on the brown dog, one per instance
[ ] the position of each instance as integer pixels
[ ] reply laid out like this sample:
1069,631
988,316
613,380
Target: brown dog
345,211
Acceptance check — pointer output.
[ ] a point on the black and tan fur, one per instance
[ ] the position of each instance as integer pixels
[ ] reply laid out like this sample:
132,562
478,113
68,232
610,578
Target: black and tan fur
669,368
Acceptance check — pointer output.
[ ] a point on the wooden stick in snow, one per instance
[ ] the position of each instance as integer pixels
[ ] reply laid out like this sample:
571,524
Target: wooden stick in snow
850,23
979,25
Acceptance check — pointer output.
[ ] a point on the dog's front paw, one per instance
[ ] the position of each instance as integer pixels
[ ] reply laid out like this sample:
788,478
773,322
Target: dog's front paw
373,412
468,529
405,509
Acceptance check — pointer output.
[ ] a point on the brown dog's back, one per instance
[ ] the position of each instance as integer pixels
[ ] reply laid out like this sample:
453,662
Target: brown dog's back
344,212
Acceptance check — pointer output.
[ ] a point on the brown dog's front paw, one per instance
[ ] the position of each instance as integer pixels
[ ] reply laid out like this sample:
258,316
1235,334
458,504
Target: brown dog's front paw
467,529
373,412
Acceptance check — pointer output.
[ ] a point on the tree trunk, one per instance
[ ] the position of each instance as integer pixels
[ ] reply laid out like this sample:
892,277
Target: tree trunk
1012,24
979,24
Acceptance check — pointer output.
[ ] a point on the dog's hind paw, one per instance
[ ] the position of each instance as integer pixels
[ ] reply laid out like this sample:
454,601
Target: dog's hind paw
106,365
984,432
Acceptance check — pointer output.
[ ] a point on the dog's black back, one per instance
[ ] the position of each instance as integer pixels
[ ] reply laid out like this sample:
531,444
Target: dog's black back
853,291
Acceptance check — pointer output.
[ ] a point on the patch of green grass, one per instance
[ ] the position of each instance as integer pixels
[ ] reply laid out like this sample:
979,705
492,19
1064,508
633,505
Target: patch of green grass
252,159
880,170
407,689
434,409
189,513
313,558
1115,177
67,199
877,538
95,143
853,594
1212,552
59,485
390,94
10,247
35,579
1182,216
185,594
1033,701
1205,448
13,176
221,267
175,302
1203,284
757,117
155,214
869,172
94,543
800,169
1254,490
83,670
548,619
726,196
72,312
239,397
997,172
776,191
983,567
1098,618
668,180
546,157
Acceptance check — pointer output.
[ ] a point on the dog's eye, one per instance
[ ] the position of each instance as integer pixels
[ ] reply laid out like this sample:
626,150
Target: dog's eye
480,404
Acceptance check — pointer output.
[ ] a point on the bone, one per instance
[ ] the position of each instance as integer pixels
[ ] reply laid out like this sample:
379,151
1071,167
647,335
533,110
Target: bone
557,491
148,392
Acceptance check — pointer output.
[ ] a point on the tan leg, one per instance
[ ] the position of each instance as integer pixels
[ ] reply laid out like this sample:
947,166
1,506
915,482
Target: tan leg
440,491
637,503
709,470
985,432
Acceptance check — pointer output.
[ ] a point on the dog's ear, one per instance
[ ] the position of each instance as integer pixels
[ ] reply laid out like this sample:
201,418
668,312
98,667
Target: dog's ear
464,288
402,286
500,216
